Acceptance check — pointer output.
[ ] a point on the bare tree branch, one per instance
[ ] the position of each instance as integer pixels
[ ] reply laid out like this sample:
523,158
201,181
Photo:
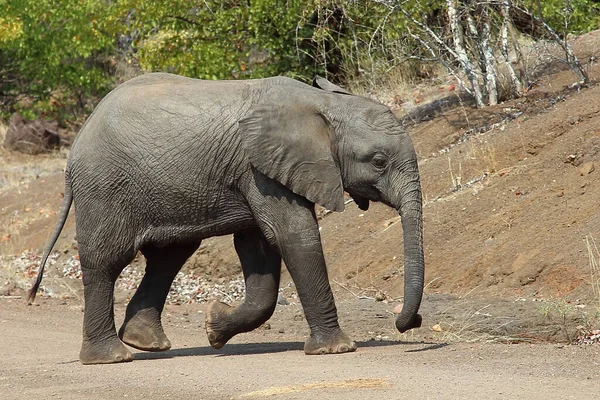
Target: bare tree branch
461,83
571,59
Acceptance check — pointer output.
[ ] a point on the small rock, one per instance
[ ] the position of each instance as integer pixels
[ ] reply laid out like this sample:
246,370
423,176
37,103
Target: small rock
390,222
123,296
380,296
436,328
63,288
574,159
282,301
587,168
7,289
266,326
281,330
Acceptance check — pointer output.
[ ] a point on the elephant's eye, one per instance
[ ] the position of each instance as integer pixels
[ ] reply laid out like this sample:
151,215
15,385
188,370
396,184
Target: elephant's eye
379,161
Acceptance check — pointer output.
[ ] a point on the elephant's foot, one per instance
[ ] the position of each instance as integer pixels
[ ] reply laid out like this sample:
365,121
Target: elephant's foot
334,343
217,324
144,331
106,352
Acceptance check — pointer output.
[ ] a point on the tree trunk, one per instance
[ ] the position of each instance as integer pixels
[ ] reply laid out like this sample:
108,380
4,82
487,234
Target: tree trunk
539,7
459,48
488,58
516,82
469,10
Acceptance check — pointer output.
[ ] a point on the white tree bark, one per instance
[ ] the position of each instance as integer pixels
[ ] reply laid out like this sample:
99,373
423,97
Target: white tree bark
516,82
475,37
488,57
461,53
481,35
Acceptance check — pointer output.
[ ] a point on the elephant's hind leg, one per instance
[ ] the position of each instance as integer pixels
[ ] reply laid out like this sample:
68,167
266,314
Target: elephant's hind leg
100,342
262,267
142,327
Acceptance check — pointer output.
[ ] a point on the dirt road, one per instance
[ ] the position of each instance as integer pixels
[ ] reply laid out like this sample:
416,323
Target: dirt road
40,346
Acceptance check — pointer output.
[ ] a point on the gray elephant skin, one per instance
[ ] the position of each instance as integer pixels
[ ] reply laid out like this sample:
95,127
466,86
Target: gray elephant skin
165,161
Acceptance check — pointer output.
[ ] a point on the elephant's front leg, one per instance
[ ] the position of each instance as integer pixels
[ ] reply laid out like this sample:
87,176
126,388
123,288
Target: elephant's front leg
262,267
291,225
303,256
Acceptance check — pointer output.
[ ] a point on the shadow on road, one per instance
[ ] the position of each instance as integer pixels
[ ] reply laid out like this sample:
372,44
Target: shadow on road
271,347
228,350
425,345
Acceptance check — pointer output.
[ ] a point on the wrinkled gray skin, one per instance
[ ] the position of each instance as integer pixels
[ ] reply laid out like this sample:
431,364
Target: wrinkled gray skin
166,161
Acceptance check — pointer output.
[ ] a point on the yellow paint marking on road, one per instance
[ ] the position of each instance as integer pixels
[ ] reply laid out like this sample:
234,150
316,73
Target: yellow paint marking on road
346,384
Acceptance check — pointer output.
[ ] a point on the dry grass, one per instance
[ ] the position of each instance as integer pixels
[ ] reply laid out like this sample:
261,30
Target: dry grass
466,328
483,157
406,86
353,384
594,266
574,319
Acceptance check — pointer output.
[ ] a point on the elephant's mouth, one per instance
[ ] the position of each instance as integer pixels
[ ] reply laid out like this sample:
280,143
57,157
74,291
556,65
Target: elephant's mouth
361,202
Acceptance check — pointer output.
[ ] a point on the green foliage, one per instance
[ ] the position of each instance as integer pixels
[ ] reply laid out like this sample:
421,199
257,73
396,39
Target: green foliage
57,55
567,16
51,52
213,39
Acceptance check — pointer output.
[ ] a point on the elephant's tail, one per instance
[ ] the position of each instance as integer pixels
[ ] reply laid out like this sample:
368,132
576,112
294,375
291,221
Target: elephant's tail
62,218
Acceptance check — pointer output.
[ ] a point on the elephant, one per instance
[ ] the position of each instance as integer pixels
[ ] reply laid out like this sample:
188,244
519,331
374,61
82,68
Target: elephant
165,161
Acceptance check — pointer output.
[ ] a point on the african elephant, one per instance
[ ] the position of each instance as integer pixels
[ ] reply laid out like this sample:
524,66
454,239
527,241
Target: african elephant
166,161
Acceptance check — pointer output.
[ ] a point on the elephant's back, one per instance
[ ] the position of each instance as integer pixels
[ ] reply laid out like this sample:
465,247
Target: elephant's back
163,127
157,110
160,104
159,119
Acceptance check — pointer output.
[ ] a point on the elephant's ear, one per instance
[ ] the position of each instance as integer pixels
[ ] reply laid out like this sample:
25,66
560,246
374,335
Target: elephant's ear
322,83
290,143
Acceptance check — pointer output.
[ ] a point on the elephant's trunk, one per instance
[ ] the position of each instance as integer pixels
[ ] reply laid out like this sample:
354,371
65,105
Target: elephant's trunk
411,213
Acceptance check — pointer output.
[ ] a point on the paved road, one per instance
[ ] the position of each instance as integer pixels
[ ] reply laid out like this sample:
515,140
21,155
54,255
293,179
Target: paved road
40,346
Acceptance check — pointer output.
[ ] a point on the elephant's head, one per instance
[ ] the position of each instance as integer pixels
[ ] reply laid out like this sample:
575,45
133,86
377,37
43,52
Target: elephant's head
321,141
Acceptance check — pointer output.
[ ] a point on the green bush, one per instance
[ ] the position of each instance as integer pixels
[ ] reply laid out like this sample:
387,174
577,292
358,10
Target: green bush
57,56
213,39
52,54
567,16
